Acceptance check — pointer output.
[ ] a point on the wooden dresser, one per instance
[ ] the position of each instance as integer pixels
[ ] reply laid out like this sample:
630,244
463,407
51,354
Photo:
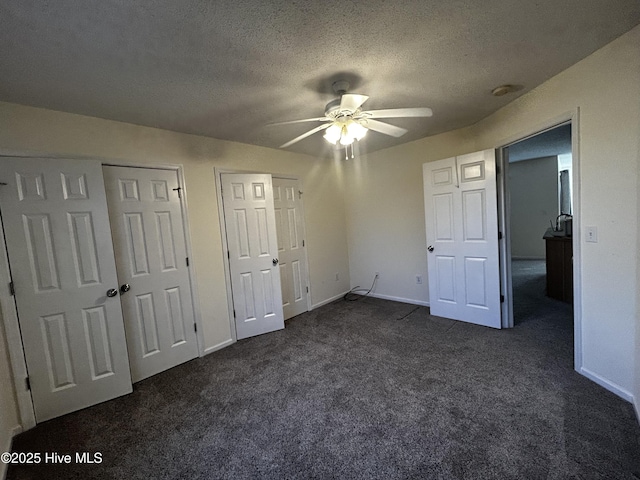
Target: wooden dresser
559,268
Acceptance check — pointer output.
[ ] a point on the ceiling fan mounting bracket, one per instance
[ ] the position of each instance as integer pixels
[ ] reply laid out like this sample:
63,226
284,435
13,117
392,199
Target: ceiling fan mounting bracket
340,87
332,110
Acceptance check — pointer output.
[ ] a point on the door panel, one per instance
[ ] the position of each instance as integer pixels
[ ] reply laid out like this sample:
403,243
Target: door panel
445,276
473,215
97,331
148,234
253,253
58,239
462,228
443,213
291,250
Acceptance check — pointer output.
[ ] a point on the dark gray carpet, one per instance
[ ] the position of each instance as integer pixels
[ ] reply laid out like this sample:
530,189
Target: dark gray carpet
529,278
366,389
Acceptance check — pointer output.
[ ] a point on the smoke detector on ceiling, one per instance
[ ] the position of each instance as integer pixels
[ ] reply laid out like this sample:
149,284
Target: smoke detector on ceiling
503,90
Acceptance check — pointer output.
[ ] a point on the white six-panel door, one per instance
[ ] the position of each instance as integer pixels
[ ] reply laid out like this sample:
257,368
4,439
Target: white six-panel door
58,240
148,236
291,246
462,238
253,253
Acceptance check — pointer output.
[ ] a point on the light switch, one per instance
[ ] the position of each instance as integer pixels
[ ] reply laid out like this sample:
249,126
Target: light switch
592,234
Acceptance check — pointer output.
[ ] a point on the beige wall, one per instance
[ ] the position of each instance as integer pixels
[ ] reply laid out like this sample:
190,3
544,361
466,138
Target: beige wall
636,391
533,187
605,88
385,215
385,211
39,131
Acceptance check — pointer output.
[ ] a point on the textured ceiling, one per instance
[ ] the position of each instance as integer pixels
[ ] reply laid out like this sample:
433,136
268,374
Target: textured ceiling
556,141
226,69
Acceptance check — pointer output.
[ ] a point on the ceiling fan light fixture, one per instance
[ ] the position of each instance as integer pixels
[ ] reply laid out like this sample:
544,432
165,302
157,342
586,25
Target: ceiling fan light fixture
345,132
345,137
356,130
333,134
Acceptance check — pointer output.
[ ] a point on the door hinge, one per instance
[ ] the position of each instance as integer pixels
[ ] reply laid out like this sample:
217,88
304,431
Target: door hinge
12,289
499,235
307,289
228,255
195,327
501,298
187,260
27,383
179,190
234,313
303,243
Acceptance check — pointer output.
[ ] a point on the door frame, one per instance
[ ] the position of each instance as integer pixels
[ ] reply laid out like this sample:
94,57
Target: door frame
15,347
573,118
218,171
26,412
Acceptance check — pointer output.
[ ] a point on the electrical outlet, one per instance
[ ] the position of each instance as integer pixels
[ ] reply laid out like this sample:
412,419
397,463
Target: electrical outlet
592,234
419,279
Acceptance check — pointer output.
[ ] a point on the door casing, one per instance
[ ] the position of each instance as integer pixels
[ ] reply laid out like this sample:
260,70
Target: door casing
8,309
572,117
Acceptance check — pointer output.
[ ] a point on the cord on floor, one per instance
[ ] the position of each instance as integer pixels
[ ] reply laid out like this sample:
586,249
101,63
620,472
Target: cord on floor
402,318
353,292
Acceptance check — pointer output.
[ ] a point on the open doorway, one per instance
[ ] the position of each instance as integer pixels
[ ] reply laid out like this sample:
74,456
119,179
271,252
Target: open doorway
539,188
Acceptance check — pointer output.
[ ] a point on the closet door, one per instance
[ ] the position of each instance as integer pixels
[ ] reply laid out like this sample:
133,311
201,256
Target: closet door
253,253
292,251
56,224
145,208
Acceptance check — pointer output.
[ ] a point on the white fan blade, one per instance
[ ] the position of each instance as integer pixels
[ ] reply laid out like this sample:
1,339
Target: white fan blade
305,135
385,128
399,113
352,101
318,119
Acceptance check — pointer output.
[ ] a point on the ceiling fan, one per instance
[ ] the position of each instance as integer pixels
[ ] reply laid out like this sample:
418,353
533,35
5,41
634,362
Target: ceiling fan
345,122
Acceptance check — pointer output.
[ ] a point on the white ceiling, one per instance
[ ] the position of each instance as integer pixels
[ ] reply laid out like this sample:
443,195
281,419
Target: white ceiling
226,69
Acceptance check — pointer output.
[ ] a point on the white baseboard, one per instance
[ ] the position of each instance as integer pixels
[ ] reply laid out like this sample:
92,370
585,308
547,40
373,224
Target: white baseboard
398,299
516,257
612,387
329,300
219,346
